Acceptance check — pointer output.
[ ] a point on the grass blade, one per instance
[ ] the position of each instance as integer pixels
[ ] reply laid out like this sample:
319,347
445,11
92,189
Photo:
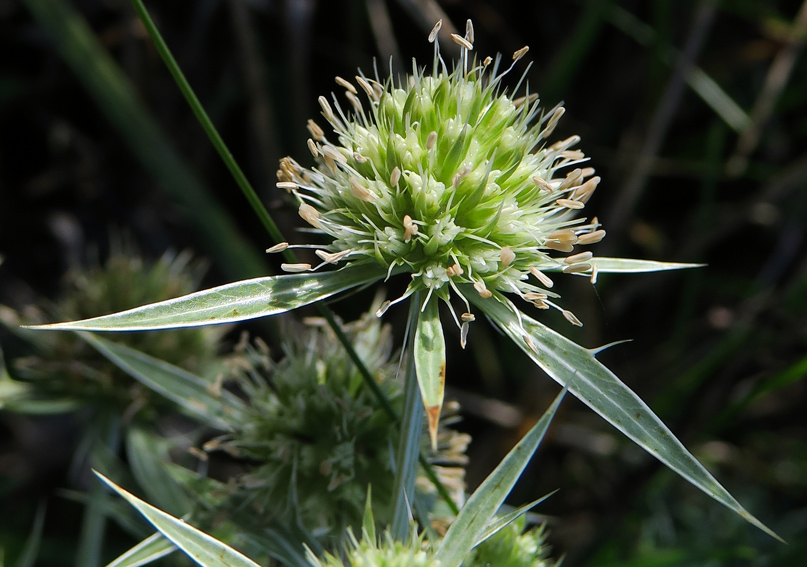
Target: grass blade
475,517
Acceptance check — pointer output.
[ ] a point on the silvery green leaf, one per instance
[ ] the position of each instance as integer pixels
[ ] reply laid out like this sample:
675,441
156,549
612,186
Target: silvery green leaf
632,266
575,368
505,520
199,546
195,395
147,454
147,551
239,301
475,517
430,364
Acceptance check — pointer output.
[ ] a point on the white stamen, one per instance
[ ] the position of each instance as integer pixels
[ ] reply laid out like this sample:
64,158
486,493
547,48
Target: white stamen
577,258
349,86
315,130
410,228
591,237
359,158
360,191
559,246
543,183
488,60
394,177
312,147
571,318
469,31
431,140
576,268
570,204
521,53
366,87
482,290
507,256
280,247
553,121
529,99
586,190
468,317
332,258
326,109
462,42
464,328
572,179
541,277
573,155
310,215
334,154
435,31
564,236
295,268
289,186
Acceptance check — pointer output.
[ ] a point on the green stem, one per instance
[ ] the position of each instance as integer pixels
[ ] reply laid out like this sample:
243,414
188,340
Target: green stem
403,491
268,222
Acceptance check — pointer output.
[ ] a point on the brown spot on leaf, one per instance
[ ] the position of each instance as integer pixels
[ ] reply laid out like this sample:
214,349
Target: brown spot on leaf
433,414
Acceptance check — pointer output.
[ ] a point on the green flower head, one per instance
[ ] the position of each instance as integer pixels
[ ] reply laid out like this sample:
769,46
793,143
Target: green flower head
448,178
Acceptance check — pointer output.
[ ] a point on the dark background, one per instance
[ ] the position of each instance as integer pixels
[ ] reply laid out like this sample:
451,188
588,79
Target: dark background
719,352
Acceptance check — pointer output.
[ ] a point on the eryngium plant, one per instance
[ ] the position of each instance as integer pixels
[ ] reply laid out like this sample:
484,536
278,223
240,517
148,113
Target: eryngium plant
450,179
312,437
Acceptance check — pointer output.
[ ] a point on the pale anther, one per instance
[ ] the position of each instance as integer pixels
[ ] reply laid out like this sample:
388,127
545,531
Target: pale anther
577,258
435,31
360,191
507,256
570,204
521,53
576,268
410,228
464,328
559,246
280,247
287,185
359,158
542,183
334,154
468,317
326,108
431,140
564,235
571,318
482,290
591,237
488,60
594,272
312,147
588,172
469,30
395,176
349,86
572,154
529,99
332,258
541,277
586,190
295,268
315,130
462,42
309,214
572,179
366,87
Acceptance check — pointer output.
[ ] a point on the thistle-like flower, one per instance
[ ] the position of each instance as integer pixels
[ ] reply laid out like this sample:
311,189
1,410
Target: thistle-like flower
446,177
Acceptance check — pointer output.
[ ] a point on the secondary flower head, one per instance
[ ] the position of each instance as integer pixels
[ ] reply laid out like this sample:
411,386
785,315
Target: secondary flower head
447,177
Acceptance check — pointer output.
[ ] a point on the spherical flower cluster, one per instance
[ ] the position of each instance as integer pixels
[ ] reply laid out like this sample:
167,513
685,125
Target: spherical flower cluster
313,436
447,177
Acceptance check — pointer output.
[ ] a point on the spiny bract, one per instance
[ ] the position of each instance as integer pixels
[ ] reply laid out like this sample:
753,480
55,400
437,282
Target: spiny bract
448,178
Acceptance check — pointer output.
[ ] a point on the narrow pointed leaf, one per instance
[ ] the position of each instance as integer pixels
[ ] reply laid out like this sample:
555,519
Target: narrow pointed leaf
199,546
430,364
589,380
632,266
190,392
147,551
147,453
238,301
503,521
475,517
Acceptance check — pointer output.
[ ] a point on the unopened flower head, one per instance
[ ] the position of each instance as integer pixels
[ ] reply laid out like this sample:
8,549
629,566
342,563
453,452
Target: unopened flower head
449,178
